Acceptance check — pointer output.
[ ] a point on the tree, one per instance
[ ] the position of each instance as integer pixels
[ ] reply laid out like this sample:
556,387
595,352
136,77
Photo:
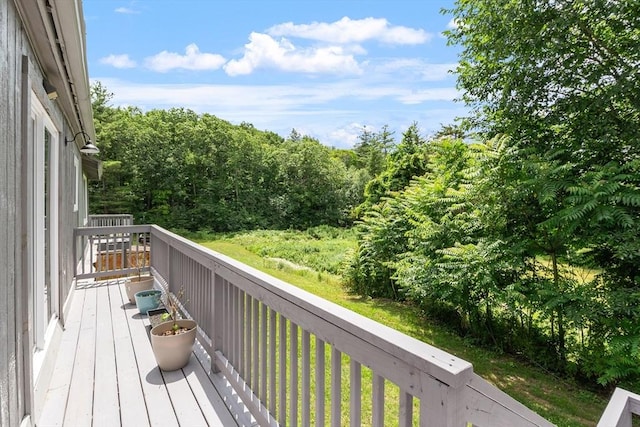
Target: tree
372,149
560,79
311,185
542,72
408,161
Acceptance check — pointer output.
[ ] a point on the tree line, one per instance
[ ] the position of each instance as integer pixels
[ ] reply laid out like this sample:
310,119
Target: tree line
197,172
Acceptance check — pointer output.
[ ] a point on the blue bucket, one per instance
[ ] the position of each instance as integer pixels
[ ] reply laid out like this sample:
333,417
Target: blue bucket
148,300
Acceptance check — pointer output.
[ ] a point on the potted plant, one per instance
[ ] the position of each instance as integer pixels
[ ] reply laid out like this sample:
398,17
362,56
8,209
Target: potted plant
148,300
172,341
133,285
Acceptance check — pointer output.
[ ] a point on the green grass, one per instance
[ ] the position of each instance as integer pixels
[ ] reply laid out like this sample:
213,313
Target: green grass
298,257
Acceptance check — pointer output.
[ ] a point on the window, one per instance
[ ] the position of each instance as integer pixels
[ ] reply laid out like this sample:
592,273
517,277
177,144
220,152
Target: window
43,219
85,208
78,175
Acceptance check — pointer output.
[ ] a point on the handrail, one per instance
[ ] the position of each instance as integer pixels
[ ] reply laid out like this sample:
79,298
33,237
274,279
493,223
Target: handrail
107,220
619,412
270,339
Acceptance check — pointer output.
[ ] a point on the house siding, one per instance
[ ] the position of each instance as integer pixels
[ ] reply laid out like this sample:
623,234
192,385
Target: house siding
20,75
12,44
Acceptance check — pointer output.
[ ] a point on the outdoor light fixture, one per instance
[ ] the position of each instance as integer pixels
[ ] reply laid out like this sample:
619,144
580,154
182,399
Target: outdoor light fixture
52,93
88,147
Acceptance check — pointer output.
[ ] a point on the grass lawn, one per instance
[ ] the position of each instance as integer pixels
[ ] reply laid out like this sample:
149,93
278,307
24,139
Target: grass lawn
298,257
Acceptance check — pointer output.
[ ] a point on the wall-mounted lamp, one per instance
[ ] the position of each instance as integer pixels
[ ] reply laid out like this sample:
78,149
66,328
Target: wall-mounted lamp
88,147
51,90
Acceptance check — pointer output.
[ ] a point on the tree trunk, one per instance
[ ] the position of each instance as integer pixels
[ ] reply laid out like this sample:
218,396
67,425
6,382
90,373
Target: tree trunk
560,311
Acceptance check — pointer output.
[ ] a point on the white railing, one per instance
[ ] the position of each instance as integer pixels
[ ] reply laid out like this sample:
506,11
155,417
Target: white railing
297,359
110,220
620,410
111,251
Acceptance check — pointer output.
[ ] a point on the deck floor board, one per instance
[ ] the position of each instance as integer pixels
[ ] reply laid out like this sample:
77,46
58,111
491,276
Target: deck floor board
106,402
55,402
160,409
80,401
105,373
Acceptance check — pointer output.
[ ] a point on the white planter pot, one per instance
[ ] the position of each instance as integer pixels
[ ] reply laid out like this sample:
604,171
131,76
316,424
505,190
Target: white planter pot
173,351
133,285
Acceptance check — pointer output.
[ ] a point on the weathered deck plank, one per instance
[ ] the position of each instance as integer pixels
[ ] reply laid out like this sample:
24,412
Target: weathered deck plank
133,404
159,406
106,404
55,402
208,397
80,401
105,373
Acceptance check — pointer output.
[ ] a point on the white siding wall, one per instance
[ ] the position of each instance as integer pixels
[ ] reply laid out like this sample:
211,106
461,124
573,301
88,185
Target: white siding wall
20,76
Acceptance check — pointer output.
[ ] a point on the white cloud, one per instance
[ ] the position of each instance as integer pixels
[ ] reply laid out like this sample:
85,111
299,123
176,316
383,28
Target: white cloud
345,137
118,61
244,99
331,112
263,51
434,94
126,10
347,31
421,70
453,24
193,59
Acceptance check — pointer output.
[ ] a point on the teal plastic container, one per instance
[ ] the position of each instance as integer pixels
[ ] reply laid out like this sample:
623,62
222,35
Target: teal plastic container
148,300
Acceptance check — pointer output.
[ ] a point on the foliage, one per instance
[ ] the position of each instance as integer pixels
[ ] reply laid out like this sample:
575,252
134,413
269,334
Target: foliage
408,160
542,71
560,78
372,149
197,172
499,249
321,248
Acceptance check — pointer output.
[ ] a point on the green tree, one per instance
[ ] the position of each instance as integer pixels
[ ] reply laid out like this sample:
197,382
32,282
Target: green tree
372,149
543,71
560,78
408,161
312,185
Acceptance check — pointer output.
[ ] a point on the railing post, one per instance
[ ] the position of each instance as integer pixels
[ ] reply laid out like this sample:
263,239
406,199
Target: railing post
620,409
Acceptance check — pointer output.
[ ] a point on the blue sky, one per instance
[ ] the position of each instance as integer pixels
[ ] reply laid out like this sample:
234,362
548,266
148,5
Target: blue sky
327,68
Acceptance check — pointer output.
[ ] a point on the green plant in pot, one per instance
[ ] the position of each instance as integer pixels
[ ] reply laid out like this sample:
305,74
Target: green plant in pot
138,283
172,341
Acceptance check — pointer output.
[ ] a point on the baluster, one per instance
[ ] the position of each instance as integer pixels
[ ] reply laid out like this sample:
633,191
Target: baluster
234,325
406,409
256,347
293,375
263,353
272,361
377,401
247,340
320,366
239,365
282,380
336,386
306,378
355,373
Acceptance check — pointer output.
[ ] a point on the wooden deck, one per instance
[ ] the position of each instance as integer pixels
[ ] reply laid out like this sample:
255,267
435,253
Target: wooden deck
106,375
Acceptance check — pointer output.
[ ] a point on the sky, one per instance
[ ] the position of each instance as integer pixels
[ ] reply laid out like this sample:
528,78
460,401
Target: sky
327,68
